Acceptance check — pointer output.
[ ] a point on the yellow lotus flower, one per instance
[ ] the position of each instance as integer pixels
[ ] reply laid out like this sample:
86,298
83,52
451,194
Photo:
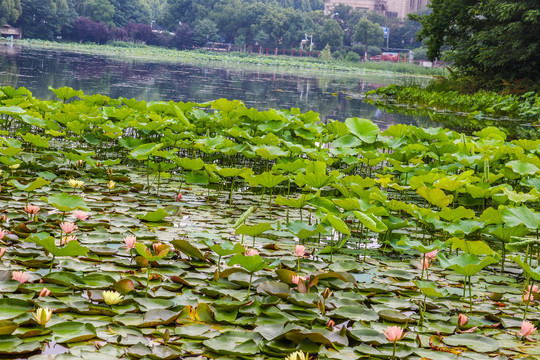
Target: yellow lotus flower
75,183
111,297
298,355
111,184
42,316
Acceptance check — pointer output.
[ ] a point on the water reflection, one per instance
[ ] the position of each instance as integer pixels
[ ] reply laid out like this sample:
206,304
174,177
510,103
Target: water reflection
264,88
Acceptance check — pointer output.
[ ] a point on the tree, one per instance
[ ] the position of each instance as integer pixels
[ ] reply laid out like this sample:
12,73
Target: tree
85,30
102,11
45,19
130,11
490,42
10,10
183,37
331,34
204,31
368,34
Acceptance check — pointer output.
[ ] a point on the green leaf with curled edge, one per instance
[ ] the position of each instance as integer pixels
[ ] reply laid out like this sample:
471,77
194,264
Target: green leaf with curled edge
72,248
250,263
66,202
34,185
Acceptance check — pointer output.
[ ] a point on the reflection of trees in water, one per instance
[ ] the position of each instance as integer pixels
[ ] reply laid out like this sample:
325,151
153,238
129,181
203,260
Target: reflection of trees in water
149,81
8,72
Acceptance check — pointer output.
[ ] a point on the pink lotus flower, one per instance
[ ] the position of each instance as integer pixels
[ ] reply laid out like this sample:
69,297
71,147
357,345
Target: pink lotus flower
179,196
462,319
528,295
20,276
81,215
156,246
394,333
295,279
130,242
32,209
2,252
327,293
252,252
300,250
44,292
68,227
2,234
425,264
527,328
432,255
66,239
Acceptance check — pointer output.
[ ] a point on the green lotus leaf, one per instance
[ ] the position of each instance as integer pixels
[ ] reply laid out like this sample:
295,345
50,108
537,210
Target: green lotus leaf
250,263
244,216
190,250
338,224
7,327
371,221
253,230
72,248
12,308
227,248
472,247
430,289
521,215
435,196
364,129
456,214
419,246
66,202
66,93
189,164
303,230
36,140
533,273
154,216
467,264
234,172
142,152
34,185
296,203
233,343
368,336
266,179
479,343
522,167
505,233
354,313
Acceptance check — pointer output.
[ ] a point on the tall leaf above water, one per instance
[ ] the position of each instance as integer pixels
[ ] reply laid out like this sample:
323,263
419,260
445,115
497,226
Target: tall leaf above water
364,129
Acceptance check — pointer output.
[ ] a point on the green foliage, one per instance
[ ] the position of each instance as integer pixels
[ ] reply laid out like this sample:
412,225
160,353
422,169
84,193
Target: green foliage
368,33
331,34
492,41
10,10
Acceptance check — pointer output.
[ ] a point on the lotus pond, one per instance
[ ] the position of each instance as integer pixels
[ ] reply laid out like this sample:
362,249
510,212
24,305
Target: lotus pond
164,230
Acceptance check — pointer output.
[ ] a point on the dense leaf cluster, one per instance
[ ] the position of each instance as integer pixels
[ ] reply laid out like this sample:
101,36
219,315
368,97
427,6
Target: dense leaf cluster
345,189
492,42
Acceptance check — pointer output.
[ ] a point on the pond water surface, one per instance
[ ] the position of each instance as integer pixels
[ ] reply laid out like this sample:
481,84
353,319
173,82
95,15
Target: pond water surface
263,87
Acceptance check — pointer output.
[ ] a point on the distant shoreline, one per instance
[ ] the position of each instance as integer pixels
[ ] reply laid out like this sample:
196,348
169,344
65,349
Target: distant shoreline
234,60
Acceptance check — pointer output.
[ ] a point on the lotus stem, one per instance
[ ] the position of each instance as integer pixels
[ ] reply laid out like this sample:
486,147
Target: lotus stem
528,301
470,295
147,281
231,193
249,286
52,263
394,351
